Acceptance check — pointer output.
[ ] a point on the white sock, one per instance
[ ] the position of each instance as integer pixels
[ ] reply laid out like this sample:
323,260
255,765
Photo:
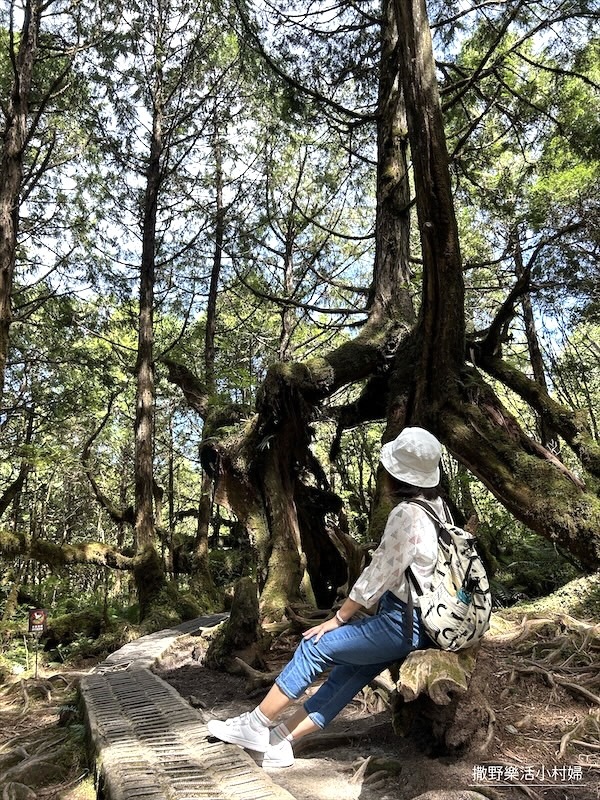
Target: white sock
258,718
281,734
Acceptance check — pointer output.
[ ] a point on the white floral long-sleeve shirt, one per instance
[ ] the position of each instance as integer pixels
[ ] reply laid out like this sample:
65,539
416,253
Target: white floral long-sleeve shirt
409,539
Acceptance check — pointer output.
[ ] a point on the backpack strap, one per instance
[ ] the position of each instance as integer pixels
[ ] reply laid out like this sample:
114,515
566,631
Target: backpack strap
416,585
431,512
441,531
439,526
410,610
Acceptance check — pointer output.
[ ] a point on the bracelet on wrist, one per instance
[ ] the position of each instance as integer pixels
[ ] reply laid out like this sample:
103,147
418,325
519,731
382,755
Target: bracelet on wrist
339,618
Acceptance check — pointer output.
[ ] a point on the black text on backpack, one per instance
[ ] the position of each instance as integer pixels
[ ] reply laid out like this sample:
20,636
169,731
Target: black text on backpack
456,610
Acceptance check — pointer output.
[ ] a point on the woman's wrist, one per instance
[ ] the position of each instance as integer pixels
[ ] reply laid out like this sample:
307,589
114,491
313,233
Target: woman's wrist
339,618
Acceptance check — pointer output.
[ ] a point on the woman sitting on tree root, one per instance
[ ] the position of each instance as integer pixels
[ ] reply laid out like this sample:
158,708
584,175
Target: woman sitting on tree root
357,651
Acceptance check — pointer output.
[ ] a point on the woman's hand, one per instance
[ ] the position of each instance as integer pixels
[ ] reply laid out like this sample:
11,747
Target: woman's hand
318,630
343,615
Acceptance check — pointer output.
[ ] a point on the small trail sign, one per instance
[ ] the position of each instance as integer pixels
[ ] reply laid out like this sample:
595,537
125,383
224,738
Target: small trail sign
37,620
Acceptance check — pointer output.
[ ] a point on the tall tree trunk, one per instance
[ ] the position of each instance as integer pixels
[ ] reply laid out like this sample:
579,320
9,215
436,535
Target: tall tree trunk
441,327
277,466
149,572
169,565
450,397
215,276
287,313
390,289
392,274
201,582
11,166
283,398
547,437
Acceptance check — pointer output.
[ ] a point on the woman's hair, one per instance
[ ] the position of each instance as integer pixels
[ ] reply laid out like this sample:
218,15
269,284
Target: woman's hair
405,491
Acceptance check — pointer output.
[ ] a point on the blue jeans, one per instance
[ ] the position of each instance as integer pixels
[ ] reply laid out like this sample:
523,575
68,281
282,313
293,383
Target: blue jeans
357,652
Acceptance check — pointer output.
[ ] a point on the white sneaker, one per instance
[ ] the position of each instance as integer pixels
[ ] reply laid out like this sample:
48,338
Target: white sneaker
241,731
278,755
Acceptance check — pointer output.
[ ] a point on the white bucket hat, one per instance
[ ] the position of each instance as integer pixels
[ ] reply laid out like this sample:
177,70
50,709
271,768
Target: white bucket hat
413,457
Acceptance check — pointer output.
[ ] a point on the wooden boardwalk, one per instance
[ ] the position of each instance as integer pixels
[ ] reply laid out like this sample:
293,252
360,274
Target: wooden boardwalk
148,743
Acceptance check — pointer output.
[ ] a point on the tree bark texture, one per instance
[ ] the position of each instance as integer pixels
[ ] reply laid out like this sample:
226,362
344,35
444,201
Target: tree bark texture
11,167
211,306
528,480
201,582
390,290
241,636
144,418
149,574
441,322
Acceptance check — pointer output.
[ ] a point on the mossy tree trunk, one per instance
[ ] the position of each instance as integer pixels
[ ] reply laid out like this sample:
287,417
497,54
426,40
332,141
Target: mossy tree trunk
266,474
241,636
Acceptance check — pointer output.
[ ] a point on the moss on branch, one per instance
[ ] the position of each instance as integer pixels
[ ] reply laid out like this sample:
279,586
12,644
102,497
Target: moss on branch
63,555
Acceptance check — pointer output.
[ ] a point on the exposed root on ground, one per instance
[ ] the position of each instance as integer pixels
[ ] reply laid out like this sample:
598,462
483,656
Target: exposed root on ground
303,618
588,727
565,653
42,759
256,678
485,745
